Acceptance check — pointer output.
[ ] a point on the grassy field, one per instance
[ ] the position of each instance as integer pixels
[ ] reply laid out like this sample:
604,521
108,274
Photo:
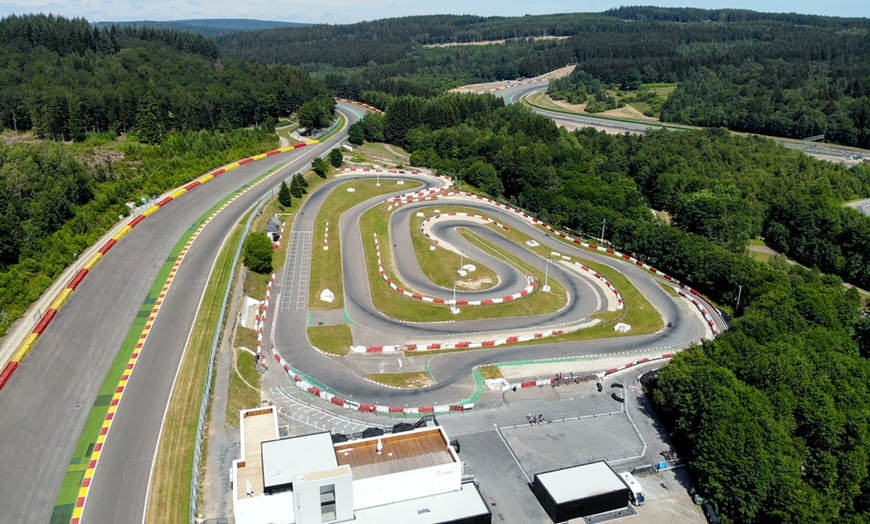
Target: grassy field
326,264
490,372
376,151
440,265
169,499
402,380
331,339
245,383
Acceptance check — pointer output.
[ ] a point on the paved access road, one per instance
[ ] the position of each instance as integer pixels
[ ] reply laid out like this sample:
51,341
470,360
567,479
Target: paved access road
45,405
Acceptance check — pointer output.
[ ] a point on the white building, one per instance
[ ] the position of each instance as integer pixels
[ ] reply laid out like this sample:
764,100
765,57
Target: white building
413,477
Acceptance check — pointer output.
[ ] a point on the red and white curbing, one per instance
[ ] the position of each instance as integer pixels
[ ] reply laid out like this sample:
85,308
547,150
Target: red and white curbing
439,346
701,308
620,302
449,302
427,224
260,322
353,405
277,243
326,237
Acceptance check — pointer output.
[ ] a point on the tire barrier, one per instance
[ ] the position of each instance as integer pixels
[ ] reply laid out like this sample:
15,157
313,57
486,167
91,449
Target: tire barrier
479,344
134,357
322,392
530,287
260,322
701,308
25,347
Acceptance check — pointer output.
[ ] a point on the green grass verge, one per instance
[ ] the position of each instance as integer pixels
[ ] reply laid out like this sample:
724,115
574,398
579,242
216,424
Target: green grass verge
539,101
244,392
326,264
169,499
491,372
387,301
331,339
440,266
402,380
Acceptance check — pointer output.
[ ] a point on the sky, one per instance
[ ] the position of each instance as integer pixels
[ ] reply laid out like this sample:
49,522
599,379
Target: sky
349,11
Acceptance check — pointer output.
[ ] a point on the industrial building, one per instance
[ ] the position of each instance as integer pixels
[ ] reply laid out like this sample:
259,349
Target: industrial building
580,491
413,476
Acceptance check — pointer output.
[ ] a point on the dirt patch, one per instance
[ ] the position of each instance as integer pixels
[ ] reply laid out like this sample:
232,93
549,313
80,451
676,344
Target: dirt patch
628,112
494,42
477,283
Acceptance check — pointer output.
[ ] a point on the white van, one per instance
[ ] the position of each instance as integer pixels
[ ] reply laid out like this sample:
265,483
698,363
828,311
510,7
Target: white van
635,490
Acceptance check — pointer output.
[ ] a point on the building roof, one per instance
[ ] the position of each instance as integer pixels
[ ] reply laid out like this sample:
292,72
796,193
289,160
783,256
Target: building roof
580,482
286,458
453,506
400,452
273,225
257,425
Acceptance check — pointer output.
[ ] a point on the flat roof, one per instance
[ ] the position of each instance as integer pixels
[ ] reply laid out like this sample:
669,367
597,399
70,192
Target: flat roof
579,482
257,425
400,452
444,507
284,459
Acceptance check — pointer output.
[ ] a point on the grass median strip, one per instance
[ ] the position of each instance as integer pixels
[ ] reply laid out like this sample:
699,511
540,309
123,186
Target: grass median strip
419,379
326,263
331,339
441,265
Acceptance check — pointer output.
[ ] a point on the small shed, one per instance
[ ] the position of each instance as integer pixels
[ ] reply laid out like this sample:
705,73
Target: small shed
273,228
580,491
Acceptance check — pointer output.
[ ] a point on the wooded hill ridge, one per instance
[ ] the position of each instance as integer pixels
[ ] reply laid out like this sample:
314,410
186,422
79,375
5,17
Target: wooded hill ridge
209,26
783,74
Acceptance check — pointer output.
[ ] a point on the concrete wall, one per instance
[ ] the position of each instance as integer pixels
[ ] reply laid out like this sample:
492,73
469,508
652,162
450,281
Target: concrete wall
306,495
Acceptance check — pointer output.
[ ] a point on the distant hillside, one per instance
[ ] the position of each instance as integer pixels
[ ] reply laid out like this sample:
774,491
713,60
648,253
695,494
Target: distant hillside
215,26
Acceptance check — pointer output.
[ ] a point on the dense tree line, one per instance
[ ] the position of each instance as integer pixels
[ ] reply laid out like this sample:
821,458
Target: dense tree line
62,79
783,74
53,205
773,415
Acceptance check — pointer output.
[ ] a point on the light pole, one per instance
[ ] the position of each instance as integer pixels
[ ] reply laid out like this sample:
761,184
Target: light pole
461,257
454,309
546,276
75,263
378,183
603,222
739,292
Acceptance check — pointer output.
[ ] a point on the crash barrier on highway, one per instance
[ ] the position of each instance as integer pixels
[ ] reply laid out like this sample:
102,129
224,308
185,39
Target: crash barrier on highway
493,90
323,392
25,347
493,384
525,216
445,301
354,102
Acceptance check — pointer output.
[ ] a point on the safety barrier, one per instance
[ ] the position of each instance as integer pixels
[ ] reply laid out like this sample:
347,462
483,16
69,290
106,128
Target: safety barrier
530,287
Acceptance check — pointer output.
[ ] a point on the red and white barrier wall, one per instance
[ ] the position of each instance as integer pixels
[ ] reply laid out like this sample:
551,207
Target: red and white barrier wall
25,347
480,199
449,302
353,405
277,243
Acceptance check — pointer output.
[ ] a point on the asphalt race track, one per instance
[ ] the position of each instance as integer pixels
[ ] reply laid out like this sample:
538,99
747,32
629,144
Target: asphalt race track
45,405
452,371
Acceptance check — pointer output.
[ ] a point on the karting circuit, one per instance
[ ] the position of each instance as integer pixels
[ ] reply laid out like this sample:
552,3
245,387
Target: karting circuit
555,296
